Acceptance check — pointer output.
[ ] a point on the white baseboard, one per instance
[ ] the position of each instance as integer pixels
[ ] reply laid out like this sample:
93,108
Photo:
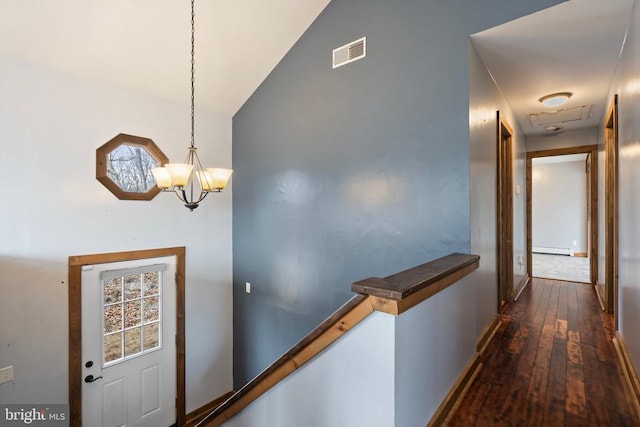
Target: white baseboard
553,251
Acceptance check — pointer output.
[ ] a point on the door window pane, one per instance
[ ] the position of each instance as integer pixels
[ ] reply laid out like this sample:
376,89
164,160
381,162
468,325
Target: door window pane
112,318
132,341
151,337
113,290
132,286
151,312
132,313
151,284
113,347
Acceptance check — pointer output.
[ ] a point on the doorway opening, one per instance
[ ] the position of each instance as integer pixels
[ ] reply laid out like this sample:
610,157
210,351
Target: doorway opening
76,361
554,251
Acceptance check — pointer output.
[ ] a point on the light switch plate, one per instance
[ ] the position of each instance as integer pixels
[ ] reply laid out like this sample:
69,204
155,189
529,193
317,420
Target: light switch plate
6,374
247,287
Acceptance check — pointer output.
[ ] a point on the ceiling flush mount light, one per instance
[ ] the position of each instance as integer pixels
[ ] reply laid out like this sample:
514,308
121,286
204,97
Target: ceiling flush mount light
555,99
179,177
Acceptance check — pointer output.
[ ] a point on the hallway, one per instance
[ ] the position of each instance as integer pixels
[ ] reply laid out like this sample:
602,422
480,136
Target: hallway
552,363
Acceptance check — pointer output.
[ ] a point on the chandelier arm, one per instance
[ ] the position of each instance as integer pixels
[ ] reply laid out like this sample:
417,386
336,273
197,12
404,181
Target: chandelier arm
179,192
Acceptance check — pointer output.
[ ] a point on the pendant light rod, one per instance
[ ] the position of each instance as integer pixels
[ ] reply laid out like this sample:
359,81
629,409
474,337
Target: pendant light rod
179,177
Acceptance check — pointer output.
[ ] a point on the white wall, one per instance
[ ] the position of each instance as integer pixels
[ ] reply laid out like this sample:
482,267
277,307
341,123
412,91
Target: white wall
627,86
484,100
434,342
50,127
349,384
569,138
559,205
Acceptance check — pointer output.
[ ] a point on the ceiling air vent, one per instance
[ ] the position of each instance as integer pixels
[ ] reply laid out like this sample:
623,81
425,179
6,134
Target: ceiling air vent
350,52
561,116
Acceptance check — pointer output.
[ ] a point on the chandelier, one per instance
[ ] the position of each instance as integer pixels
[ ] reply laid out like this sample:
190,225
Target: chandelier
179,177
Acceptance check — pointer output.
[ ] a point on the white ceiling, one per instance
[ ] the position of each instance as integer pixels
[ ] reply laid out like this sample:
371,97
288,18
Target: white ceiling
144,45
571,47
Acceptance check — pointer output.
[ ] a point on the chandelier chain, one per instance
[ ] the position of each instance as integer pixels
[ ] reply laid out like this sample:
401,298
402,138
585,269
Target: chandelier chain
193,63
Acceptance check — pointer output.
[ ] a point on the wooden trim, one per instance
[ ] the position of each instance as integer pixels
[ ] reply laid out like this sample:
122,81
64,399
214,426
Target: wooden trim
600,293
580,254
75,346
75,323
529,210
338,324
629,371
102,161
504,210
522,286
451,403
487,335
563,151
197,415
611,208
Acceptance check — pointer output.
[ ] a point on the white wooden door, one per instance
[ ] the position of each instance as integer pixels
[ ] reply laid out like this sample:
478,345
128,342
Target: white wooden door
128,344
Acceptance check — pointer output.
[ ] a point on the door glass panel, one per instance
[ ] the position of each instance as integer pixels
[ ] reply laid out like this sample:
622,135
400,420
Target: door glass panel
151,312
151,283
151,337
113,290
132,341
132,286
112,318
113,347
132,315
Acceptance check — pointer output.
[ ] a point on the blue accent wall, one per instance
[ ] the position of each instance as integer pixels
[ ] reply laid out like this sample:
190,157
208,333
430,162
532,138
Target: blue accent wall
354,172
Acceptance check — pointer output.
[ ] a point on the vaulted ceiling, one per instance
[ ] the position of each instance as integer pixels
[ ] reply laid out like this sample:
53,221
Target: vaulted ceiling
144,45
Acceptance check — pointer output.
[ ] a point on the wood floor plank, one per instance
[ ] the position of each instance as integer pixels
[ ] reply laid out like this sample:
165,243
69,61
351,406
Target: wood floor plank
576,403
552,363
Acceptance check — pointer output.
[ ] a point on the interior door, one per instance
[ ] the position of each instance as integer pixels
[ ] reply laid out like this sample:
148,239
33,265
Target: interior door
128,343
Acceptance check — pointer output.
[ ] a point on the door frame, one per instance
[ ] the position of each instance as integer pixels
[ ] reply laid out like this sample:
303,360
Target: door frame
592,201
504,211
75,323
610,297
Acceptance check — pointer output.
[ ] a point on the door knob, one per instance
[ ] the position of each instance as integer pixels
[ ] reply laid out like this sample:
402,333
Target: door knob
90,379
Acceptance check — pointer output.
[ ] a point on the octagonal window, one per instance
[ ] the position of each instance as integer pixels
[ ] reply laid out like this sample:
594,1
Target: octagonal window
124,164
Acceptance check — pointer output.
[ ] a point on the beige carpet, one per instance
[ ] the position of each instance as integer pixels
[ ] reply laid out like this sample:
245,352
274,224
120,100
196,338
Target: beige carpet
561,267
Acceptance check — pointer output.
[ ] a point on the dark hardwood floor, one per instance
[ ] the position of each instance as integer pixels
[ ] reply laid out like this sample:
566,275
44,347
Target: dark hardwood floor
552,363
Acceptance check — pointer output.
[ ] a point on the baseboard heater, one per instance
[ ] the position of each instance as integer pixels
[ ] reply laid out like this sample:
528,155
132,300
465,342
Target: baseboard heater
553,251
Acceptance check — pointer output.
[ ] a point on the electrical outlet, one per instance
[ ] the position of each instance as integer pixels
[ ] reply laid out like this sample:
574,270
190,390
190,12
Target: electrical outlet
6,374
247,287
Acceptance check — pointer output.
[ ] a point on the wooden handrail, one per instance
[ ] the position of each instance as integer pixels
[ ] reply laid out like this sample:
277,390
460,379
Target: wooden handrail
394,294
399,292
336,325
